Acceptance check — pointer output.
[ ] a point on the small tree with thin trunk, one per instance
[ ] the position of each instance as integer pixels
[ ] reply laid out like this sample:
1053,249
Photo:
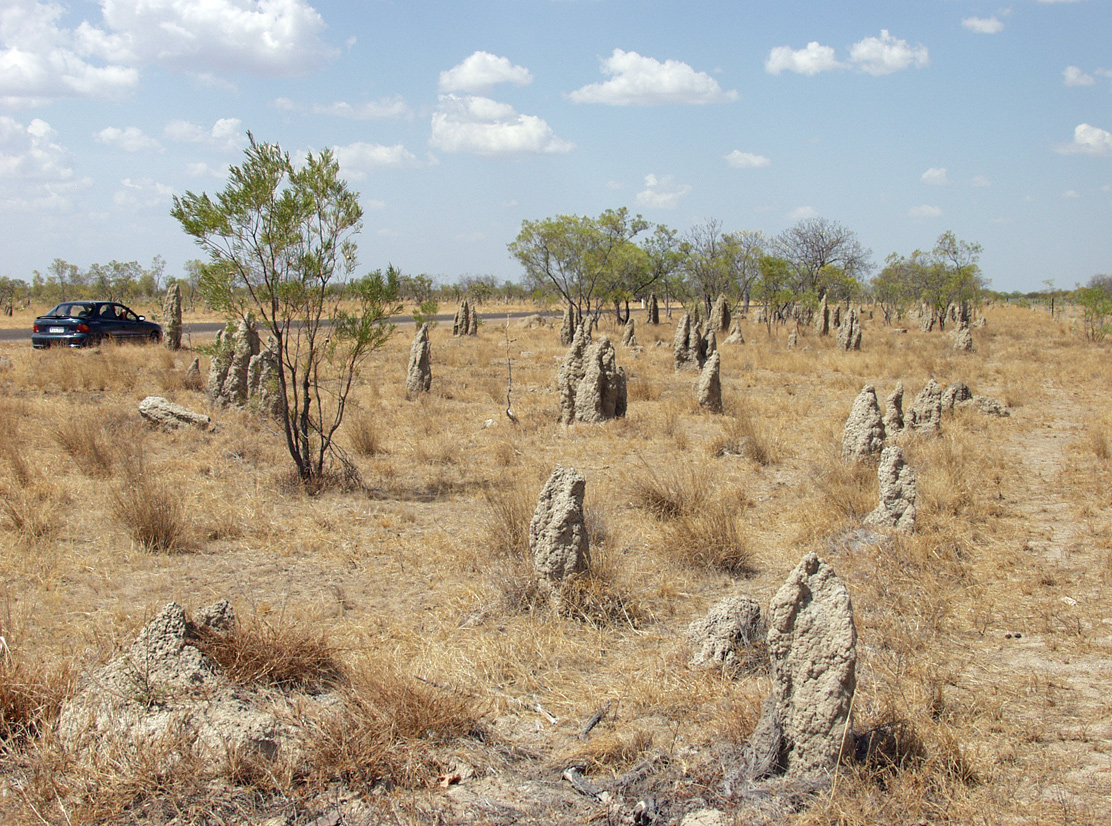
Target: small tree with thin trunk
280,245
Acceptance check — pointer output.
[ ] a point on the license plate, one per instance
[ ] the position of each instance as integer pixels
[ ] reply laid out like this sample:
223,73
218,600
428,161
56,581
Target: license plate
56,330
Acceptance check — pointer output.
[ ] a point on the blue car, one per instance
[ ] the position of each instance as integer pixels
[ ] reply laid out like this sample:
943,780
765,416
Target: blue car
89,323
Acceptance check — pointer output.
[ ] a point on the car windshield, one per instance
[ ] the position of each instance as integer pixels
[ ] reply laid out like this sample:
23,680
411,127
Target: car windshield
71,310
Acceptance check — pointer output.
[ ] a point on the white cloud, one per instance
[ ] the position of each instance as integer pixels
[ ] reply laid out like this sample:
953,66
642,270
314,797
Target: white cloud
873,55
983,25
203,170
1073,76
381,109
746,160
1088,140
374,203
886,54
269,38
802,213
645,81
662,193
1071,193
226,134
482,71
35,171
142,193
359,159
482,126
925,211
811,60
129,139
39,61
935,176
981,181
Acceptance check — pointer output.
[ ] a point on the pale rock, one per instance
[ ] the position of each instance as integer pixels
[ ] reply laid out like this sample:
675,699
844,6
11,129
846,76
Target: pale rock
418,378
897,493
863,434
165,414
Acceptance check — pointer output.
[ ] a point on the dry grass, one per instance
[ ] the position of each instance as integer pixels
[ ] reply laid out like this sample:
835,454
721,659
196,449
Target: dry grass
424,569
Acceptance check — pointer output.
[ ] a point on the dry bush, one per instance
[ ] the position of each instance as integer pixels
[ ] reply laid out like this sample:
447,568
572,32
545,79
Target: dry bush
609,751
150,509
90,444
505,526
30,697
671,490
743,435
364,435
283,656
710,538
847,491
389,728
1098,437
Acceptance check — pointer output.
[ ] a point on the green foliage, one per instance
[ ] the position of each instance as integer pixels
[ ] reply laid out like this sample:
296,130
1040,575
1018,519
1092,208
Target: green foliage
280,244
1095,301
775,286
583,259
425,312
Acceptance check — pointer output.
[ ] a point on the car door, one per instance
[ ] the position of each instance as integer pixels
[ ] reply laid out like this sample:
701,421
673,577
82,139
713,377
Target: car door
108,321
129,323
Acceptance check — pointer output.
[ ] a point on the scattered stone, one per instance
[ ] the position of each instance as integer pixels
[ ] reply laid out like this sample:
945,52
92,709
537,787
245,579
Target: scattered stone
231,361
711,343
893,412
629,334
897,493
927,319
812,647
419,377
193,373
572,321
264,387
709,390
171,318
985,405
218,365
705,817
792,340
602,392
735,336
571,372
822,318
534,320
682,357
165,685
836,317
653,314
963,339
954,394
863,435
719,321
925,415
849,333
725,637
558,537
461,324
165,414
473,321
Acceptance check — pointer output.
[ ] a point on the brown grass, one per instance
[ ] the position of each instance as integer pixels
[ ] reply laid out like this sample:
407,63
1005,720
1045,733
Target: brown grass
424,570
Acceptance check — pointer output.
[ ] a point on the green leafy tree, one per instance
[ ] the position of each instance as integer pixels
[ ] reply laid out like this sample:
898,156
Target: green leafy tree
579,257
280,242
1095,300
815,243
775,288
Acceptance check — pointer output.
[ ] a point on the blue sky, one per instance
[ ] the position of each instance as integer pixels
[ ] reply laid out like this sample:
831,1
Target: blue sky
457,121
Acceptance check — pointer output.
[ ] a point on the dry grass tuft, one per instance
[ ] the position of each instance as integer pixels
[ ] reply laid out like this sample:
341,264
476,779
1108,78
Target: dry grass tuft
390,728
90,443
670,491
151,510
30,697
710,539
609,751
744,434
283,656
364,435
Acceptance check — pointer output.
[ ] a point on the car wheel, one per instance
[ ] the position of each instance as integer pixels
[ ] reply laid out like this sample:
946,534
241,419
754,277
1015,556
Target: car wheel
154,337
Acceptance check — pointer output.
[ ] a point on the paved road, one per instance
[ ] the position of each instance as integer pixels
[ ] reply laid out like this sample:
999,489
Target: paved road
199,328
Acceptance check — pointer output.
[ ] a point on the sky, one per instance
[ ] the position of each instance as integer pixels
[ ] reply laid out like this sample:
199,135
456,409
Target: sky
457,121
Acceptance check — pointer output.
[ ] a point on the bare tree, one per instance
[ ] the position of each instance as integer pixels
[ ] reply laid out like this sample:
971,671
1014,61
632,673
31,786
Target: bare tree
815,243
